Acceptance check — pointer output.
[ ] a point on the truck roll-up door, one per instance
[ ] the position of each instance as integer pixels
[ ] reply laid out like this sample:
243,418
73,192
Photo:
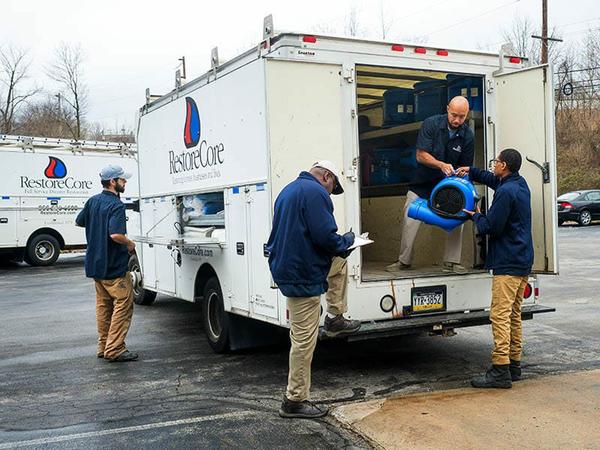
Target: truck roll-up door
525,121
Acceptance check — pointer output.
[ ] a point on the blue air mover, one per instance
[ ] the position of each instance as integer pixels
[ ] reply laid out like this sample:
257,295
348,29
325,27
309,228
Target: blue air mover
445,206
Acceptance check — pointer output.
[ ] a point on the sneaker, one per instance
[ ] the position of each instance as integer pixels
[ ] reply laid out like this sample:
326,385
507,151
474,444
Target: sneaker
454,267
125,356
398,266
340,325
301,410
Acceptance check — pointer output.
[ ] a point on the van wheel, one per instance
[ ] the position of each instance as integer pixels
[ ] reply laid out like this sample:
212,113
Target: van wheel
42,250
585,218
214,317
141,296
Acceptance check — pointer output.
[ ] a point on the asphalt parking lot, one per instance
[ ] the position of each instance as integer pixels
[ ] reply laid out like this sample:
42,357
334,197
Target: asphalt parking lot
55,393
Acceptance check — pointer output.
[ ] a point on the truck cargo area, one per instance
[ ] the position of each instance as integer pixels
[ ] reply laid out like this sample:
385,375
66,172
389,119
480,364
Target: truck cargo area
392,104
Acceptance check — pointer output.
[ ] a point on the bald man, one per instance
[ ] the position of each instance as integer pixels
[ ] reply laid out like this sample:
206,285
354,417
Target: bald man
444,143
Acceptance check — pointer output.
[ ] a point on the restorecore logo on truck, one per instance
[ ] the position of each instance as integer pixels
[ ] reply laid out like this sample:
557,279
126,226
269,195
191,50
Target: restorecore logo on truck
56,180
200,155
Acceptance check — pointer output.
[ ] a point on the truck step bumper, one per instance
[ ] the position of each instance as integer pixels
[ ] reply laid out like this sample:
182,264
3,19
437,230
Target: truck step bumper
435,323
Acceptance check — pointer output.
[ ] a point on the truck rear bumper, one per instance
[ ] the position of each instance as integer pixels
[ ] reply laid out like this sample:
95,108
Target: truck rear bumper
438,323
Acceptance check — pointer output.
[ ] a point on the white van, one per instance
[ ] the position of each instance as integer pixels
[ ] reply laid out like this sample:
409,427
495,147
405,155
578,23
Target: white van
45,183
215,153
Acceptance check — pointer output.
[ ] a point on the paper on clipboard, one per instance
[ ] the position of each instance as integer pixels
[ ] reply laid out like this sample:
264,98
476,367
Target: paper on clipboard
361,240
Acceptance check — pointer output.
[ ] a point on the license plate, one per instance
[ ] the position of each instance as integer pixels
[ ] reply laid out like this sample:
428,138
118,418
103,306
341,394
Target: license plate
428,299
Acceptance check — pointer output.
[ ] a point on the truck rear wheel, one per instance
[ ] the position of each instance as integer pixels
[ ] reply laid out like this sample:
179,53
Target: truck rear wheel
214,317
42,250
141,296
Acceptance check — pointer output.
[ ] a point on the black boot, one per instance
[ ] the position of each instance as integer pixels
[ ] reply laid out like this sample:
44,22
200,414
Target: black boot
496,377
301,410
515,370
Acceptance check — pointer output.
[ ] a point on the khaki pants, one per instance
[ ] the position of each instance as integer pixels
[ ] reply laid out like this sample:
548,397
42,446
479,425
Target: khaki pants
505,314
410,227
304,328
114,308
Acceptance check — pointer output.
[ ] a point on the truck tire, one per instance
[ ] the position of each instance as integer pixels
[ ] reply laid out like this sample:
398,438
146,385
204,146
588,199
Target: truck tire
141,296
42,250
585,218
214,317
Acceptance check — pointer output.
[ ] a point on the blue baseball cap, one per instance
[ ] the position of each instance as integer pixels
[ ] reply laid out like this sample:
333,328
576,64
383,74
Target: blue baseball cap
112,171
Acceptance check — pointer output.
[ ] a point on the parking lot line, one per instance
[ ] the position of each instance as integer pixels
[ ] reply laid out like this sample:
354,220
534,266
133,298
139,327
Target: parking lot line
149,426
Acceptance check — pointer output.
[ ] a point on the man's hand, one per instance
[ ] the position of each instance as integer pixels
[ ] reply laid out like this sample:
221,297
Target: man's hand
462,171
131,246
350,236
447,169
472,213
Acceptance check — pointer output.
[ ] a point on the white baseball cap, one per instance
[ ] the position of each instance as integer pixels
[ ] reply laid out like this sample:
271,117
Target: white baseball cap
331,167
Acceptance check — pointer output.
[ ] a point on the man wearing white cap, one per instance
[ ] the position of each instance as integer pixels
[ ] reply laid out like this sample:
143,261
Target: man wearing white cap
106,259
306,258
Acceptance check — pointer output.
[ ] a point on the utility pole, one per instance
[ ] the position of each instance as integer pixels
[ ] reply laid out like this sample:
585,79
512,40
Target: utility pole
544,37
544,31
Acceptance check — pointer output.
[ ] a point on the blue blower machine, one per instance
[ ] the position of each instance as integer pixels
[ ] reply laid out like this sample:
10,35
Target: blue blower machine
445,206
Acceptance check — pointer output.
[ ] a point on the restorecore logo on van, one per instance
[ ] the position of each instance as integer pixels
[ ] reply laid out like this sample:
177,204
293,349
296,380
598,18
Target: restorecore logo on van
199,155
55,179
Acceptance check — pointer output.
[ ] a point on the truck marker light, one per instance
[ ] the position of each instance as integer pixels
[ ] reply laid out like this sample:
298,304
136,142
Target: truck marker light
536,292
420,50
309,39
442,52
514,60
397,48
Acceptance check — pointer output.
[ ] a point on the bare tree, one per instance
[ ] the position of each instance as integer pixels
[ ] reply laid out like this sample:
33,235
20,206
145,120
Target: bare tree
519,35
68,72
14,66
42,118
386,20
352,27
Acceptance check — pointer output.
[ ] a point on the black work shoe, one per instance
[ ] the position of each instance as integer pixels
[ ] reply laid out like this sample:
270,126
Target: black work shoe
100,355
515,370
496,377
301,410
340,325
125,356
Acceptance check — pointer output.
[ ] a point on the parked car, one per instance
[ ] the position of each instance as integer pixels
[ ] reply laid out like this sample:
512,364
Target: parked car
580,206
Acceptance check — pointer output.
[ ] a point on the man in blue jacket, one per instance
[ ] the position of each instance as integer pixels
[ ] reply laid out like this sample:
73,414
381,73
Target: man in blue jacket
106,261
510,257
307,259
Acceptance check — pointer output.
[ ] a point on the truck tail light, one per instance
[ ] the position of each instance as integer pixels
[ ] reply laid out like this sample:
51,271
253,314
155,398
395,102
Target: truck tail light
528,291
536,292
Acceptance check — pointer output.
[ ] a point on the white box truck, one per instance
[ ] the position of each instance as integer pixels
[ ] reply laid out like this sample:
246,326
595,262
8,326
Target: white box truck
215,153
45,184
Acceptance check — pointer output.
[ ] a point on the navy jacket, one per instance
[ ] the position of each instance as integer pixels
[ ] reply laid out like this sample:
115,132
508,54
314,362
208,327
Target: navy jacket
434,138
508,224
304,238
103,215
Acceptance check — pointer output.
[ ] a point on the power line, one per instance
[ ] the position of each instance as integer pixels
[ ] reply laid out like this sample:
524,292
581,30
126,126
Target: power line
578,70
472,18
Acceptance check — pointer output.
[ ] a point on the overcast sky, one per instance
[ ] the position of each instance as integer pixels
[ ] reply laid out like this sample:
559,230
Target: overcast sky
132,44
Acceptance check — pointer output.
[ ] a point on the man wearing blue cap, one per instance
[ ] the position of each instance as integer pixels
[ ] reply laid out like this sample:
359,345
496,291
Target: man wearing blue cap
106,259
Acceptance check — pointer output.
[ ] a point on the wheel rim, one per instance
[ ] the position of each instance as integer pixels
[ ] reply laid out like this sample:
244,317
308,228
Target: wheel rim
136,276
586,217
44,250
214,316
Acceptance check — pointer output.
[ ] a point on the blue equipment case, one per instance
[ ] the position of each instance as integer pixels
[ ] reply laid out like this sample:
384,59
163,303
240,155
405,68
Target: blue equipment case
431,97
398,106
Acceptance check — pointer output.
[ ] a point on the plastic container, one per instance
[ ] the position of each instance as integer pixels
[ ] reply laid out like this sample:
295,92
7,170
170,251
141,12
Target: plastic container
469,87
392,166
398,106
203,209
431,98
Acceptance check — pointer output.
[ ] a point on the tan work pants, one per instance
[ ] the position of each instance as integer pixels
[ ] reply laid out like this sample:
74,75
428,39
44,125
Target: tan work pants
304,328
410,227
114,308
505,314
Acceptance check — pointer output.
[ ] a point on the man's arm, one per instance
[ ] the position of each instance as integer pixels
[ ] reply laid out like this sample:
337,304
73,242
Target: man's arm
427,159
494,222
322,227
80,219
479,176
117,228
